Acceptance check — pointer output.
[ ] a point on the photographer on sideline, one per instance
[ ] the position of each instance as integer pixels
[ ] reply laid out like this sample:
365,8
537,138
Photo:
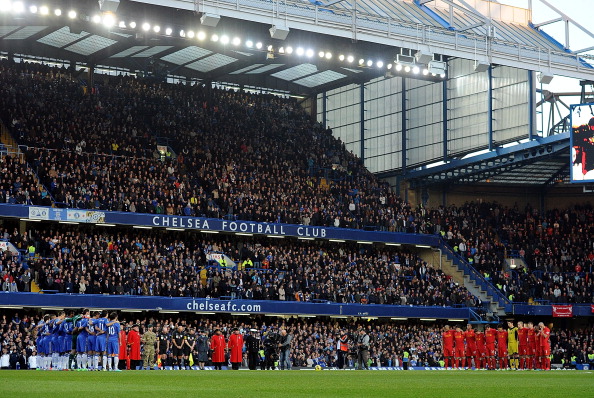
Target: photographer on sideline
362,350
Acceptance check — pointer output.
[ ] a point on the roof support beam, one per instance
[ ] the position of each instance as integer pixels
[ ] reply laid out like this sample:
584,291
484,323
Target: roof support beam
565,18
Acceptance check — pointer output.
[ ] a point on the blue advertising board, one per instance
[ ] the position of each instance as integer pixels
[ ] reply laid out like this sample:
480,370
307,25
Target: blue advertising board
212,225
206,306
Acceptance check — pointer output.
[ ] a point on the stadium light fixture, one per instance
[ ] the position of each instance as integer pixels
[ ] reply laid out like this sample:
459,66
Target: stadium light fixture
156,28
43,10
423,57
105,225
141,227
437,67
201,35
58,12
389,66
545,78
281,50
72,14
341,57
96,18
109,5
225,39
18,7
30,220
322,54
380,64
211,20
328,55
168,31
428,319
399,319
275,236
236,41
33,9
289,50
279,32
259,45
108,20
361,61
5,6
336,240
300,51
364,242
416,70
369,62
407,68
398,67
305,238
68,222
191,34
249,44
146,26
481,66
132,25
207,231
393,244
243,234
214,37
309,53
174,229
350,59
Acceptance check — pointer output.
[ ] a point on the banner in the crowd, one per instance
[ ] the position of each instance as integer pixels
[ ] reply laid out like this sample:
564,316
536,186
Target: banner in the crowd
547,310
562,311
213,225
7,246
211,306
222,259
592,308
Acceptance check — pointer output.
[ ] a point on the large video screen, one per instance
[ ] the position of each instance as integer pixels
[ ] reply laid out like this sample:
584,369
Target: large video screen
582,143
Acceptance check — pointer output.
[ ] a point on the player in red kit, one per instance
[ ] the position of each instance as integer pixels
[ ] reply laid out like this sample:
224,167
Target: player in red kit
471,353
538,351
460,349
522,344
502,347
490,337
545,346
531,351
481,350
448,346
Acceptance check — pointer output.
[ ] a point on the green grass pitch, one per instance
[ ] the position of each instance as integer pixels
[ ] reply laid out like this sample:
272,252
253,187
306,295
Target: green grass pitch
410,384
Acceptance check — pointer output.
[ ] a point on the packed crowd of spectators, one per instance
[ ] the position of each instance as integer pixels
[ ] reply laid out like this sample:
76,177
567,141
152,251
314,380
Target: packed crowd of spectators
100,261
553,251
239,155
18,184
254,157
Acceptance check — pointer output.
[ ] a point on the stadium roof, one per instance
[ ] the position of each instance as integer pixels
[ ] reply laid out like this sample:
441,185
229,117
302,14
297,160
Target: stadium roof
369,30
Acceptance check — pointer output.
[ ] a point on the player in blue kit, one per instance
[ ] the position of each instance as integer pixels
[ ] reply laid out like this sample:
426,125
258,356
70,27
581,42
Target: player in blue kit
67,328
113,342
56,343
42,331
81,340
100,324
92,358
